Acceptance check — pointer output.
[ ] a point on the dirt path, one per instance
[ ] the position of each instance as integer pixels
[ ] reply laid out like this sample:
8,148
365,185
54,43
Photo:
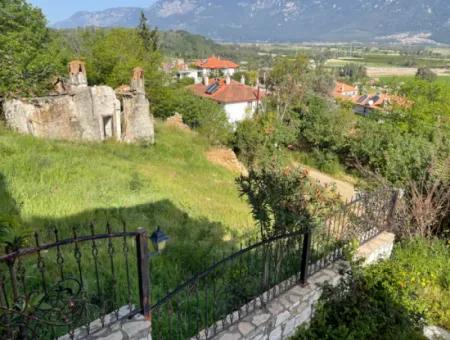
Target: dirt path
345,189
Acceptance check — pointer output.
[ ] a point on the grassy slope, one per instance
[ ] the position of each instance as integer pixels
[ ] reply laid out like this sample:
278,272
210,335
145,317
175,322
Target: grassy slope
52,180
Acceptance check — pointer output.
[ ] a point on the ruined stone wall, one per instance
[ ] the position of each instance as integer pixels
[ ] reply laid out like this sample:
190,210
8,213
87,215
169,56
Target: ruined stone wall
83,114
138,123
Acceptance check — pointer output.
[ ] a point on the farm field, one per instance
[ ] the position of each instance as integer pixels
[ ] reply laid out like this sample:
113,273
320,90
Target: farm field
389,79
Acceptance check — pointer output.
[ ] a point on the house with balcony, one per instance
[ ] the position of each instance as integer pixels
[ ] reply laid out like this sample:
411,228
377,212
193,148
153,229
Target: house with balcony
215,66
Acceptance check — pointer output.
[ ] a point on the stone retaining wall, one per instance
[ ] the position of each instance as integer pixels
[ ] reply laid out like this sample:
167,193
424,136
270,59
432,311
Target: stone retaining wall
136,328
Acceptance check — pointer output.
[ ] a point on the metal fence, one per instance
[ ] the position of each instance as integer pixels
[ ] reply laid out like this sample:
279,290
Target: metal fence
234,286
51,289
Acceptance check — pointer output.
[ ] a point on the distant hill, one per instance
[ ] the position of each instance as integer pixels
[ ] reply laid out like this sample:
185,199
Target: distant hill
407,21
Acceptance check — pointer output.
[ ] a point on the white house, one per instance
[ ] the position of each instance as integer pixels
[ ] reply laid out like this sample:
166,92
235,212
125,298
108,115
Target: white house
238,100
189,73
215,65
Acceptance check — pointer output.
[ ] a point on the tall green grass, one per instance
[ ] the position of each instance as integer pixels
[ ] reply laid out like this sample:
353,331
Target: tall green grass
54,180
66,185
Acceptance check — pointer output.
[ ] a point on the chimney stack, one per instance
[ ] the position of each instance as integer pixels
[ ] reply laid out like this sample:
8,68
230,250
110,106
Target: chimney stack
77,73
206,80
137,82
227,79
242,80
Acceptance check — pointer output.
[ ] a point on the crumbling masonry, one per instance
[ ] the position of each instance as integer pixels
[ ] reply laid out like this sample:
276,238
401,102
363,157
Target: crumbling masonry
76,111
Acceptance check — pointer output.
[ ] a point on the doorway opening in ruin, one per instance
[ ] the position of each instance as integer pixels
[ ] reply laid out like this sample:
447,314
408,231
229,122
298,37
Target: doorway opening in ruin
30,127
108,128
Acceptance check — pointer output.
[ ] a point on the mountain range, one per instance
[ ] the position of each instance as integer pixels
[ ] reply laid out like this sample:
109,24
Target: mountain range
407,21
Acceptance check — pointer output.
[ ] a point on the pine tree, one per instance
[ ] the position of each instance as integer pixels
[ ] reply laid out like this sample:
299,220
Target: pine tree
149,37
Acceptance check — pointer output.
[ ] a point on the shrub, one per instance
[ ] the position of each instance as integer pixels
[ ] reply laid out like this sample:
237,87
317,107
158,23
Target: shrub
259,139
426,73
285,199
359,308
389,300
201,114
326,161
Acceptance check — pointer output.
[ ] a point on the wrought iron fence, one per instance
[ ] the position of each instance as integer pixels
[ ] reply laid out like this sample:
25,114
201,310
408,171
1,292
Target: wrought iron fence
360,219
234,286
238,282
51,289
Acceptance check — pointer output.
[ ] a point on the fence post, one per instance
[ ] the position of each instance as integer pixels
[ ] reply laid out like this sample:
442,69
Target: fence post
396,195
306,252
143,271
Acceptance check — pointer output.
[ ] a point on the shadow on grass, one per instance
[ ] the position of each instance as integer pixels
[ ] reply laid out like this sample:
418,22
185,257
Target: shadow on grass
8,205
193,244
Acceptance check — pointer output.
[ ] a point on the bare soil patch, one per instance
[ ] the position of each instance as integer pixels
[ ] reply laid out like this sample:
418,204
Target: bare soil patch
226,158
177,121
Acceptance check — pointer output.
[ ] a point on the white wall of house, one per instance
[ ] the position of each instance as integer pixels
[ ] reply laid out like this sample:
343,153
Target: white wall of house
229,71
193,74
237,112
225,71
350,93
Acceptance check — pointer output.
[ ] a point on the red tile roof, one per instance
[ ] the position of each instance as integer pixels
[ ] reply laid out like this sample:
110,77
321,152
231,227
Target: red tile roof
341,88
379,101
215,63
235,92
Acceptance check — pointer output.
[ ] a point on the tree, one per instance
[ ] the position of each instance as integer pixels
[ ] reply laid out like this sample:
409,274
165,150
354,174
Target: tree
353,72
426,73
113,55
148,36
285,199
27,62
288,82
324,125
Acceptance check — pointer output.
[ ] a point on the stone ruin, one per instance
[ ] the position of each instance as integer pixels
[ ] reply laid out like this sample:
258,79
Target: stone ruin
77,111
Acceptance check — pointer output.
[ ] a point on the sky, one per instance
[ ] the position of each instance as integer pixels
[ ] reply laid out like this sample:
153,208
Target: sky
57,10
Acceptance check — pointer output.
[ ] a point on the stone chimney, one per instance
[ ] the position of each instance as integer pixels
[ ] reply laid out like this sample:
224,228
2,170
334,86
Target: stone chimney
77,73
206,80
242,80
137,82
227,79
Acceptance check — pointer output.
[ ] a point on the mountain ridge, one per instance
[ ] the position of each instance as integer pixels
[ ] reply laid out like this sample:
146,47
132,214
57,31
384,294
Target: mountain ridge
423,21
